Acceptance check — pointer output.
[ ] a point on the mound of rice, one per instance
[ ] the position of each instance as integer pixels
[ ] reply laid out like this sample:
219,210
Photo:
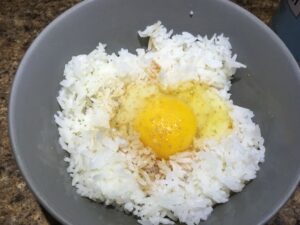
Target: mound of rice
120,171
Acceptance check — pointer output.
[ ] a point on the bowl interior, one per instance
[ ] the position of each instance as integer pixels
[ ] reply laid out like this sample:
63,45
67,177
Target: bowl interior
269,86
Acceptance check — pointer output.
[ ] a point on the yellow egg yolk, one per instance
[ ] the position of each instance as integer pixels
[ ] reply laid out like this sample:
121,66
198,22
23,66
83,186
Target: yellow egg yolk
166,124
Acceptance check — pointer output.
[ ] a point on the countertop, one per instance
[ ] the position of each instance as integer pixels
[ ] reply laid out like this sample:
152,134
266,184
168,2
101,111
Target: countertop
20,22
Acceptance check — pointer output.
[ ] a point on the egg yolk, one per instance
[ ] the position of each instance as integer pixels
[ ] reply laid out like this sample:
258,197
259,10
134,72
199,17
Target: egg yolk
166,124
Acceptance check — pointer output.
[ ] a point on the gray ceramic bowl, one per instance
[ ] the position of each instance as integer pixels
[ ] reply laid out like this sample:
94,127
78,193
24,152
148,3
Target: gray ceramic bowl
272,91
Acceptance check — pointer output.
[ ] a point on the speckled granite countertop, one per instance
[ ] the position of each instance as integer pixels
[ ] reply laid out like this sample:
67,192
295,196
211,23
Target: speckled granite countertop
20,22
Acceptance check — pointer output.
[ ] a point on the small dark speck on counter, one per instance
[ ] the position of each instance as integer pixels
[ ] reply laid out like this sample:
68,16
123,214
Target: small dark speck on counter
20,22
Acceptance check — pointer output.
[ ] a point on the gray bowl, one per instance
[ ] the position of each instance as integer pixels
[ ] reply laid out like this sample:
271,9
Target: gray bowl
269,86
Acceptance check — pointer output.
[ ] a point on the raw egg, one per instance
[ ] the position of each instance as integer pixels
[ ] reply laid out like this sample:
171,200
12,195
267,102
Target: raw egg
168,119
166,124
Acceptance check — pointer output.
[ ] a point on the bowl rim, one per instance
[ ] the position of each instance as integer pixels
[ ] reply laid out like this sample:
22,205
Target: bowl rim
16,82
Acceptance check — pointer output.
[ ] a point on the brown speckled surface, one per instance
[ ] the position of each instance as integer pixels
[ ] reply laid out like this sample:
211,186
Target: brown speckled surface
20,22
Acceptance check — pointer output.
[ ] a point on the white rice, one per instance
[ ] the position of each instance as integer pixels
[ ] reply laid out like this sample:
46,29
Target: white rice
107,168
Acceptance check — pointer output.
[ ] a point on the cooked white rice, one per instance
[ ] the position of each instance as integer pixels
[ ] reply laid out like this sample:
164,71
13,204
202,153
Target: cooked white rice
109,169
